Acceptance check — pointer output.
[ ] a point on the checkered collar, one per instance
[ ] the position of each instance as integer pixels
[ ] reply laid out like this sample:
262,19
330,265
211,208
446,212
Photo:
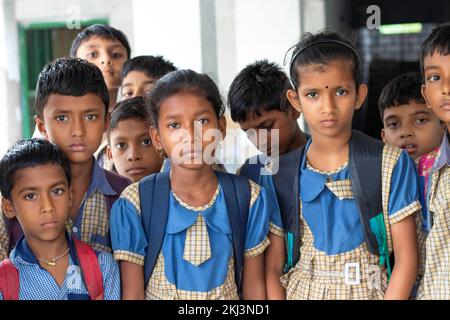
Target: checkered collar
444,153
181,217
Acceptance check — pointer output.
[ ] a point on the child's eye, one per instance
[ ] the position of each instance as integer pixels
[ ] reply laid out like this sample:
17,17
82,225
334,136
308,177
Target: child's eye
146,142
57,191
434,78
121,145
91,117
421,121
30,196
174,125
92,55
127,94
61,118
393,125
202,121
117,55
311,94
341,92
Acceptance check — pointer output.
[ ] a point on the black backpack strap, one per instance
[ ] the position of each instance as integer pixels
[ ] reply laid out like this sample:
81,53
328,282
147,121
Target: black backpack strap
252,167
154,197
286,182
236,190
365,170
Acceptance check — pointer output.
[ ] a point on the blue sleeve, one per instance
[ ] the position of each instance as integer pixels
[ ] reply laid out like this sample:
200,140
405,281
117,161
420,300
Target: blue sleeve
1,295
404,191
258,223
266,181
128,238
111,276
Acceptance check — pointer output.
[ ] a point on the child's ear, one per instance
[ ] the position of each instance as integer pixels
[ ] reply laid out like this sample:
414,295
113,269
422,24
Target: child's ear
361,95
294,100
423,90
8,208
108,152
156,138
383,135
223,126
41,126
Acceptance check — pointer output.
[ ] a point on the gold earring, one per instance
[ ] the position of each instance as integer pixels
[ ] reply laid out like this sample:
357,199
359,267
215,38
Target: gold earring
161,153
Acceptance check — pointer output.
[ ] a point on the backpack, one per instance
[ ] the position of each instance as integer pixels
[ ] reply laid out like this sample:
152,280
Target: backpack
117,183
89,266
154,193
366,185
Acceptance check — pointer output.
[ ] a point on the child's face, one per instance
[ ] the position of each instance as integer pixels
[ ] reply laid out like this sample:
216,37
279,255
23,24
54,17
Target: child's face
132,151
436,89
412,127
328,97
107,54
40,199
75,124
188,130
269,123
136,84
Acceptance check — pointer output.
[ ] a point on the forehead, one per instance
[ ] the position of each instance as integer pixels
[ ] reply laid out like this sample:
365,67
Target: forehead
332,71
406,110
185,104
98,42
136,77
130,127
436,61
39,176
253,120
72,104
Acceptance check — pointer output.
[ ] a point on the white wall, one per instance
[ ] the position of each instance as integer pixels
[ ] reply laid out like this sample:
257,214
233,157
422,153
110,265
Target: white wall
10,117
170,28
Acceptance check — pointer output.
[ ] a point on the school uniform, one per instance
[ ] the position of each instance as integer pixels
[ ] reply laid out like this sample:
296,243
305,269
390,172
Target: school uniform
196,260
36,283
335,262
92,223
435,283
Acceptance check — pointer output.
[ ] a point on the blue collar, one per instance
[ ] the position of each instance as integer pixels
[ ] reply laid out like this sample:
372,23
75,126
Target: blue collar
312,182
444,153
99,181
216,216
22,252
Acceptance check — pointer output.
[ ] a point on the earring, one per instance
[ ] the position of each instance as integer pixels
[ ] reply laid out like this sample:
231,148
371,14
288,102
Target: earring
161,153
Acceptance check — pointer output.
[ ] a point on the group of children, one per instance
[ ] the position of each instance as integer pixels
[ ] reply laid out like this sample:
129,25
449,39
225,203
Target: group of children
332,214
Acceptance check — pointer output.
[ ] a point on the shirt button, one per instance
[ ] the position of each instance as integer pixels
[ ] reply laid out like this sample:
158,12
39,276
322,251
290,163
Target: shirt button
75,229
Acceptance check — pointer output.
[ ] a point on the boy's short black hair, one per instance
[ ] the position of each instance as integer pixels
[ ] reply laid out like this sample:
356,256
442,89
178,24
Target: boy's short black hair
321,48
438,41
260,86
101,31
183,81
69,77
30,153
133,108
401,90
152,66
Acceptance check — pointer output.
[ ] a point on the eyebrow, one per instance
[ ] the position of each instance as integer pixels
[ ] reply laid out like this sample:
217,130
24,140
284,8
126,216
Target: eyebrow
92,109
392,117
427,112
114,46
178,115
431,67
32,188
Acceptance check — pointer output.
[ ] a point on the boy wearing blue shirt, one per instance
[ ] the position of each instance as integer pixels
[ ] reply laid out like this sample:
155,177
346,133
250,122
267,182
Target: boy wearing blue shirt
47,264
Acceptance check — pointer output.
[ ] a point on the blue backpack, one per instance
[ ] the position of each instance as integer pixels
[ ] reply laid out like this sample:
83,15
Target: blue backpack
154,193
365,170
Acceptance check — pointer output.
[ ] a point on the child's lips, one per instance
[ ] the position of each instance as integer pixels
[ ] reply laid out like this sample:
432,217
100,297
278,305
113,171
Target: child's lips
77,147
329,122
49,224
446,105
135,170
410,148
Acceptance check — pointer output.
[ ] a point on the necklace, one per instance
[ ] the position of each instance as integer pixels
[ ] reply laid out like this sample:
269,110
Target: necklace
52,262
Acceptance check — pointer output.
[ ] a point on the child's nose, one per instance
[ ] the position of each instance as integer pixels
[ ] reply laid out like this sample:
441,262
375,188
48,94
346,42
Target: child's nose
134,154
77,128
46,205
